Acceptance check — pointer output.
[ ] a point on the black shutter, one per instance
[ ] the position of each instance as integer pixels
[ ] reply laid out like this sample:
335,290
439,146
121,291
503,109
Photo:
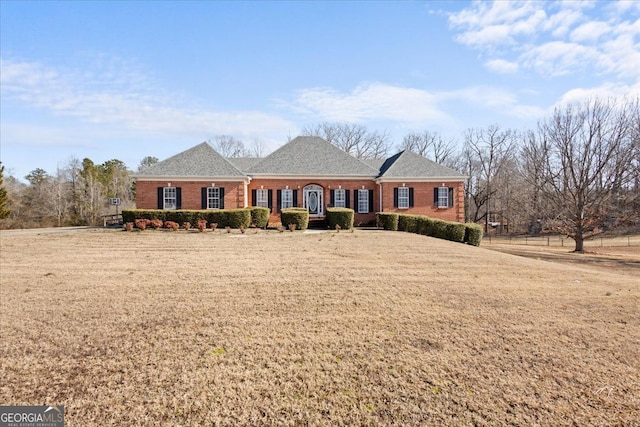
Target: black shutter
410,197
355,200
160,198
178,197
370,200
347,201
203,198
295,198
435,197
222,198
395,197
279,197
253,197
332,197
450,197
270,199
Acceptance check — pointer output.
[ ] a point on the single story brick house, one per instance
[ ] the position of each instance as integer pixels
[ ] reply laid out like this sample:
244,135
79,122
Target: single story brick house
307,172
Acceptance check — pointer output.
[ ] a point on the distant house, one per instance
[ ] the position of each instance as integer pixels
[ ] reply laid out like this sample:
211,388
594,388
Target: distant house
307,172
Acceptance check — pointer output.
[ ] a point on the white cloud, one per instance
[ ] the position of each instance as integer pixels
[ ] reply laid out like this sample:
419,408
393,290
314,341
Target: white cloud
553,38
106,97
375,101
502,66
590,31
496,99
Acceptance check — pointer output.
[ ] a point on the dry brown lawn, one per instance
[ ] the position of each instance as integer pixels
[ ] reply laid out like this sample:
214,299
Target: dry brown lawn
367,328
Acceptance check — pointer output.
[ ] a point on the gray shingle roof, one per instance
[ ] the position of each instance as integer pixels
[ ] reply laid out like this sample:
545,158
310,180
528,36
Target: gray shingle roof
407,164
243,163
199,161
311,155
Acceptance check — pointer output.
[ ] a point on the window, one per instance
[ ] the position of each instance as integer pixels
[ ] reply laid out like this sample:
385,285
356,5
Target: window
403,197
262,198
170,199
287,199
443,197
213,198
363,201
340,198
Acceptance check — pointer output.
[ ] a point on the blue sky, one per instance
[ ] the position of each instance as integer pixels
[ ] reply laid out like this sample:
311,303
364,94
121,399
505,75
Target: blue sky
131,79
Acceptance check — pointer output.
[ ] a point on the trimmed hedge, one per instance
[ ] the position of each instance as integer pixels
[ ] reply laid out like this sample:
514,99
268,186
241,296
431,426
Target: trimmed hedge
259,216
340,216
472,233
387,220
454,231
224,217
237,218
297,216
408,223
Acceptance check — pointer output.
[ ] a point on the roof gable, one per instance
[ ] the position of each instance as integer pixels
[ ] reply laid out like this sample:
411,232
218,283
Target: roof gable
407,164
199,161
311,155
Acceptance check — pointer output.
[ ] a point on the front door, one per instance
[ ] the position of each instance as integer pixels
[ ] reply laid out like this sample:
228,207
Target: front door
312,198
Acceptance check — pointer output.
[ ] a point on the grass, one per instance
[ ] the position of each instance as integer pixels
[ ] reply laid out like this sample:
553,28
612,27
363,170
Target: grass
365,328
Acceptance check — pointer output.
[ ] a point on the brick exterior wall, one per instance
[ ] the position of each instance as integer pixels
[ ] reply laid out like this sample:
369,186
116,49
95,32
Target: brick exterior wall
326,184
147,193
234,196
423,200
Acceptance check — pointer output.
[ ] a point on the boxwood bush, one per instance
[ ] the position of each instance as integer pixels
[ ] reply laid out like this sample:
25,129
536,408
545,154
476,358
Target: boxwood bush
340,216
224,217
237,218
408,223
387,220
473,233
425,225
455,231
259,216
297,216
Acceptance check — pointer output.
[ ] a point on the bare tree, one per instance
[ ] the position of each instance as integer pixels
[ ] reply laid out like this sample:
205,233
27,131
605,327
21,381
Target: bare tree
228,146
488,154
589,161
352,138
258,149
431,145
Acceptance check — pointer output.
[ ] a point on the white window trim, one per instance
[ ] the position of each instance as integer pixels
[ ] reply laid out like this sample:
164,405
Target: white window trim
340,202
262,198
213,197
403,199
167,197
287,199
442,198
363,200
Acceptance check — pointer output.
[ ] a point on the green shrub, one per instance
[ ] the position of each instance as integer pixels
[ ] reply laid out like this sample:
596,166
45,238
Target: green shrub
130,215
238,218
408,223
340,216
219,217
387,220
297,216
439,229
455,231
473,233
259,216
424,225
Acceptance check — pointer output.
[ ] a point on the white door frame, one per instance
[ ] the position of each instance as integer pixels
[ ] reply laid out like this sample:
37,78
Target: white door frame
316,192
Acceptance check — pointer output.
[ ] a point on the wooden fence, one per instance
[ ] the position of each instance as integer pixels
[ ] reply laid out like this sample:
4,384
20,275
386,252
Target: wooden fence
562,241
